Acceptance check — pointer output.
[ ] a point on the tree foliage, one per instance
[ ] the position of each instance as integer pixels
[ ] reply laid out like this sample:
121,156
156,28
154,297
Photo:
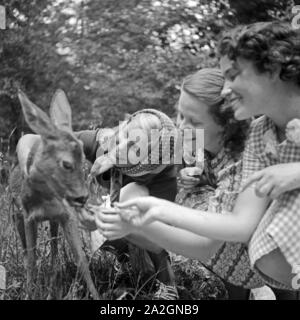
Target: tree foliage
112,57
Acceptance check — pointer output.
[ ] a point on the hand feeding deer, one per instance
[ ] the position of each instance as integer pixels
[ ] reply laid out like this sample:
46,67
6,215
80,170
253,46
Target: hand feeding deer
50,180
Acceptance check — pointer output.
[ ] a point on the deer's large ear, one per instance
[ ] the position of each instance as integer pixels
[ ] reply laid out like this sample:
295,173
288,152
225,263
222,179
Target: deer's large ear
60,111
36,118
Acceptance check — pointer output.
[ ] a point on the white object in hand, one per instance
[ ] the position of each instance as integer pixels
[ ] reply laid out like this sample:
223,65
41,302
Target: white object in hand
106,201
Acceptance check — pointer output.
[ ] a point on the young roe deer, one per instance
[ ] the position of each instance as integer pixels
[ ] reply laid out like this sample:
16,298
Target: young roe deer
48,183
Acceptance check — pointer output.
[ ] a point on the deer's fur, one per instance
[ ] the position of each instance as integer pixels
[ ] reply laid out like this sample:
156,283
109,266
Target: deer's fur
48,182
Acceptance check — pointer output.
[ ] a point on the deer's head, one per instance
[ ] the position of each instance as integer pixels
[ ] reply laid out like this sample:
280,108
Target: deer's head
58,166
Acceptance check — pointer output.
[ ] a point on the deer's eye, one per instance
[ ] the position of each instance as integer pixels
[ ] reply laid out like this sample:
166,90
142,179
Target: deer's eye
67,165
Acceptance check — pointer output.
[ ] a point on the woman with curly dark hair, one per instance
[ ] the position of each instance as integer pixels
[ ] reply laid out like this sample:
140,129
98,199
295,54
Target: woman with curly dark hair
261,65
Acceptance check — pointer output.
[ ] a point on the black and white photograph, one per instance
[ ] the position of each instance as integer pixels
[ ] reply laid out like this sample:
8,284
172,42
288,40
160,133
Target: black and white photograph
150,151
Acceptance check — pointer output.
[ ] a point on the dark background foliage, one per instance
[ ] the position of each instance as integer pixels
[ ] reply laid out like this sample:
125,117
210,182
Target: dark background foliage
111,57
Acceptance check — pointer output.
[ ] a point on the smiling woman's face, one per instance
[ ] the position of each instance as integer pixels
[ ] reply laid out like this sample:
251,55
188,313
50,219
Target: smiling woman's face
251,93
193,114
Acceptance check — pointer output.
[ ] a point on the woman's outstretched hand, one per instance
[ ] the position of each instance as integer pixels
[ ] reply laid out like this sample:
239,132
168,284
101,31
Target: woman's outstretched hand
275,180
127,217
143,210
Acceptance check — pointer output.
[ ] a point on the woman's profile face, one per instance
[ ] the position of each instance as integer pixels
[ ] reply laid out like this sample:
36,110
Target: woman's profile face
249,92
193,114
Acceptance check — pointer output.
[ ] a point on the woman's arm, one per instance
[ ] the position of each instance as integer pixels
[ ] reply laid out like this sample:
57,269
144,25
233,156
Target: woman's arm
180,241
237,226
170,238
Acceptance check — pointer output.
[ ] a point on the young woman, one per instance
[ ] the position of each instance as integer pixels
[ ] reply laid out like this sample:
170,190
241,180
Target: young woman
214,184
261,65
